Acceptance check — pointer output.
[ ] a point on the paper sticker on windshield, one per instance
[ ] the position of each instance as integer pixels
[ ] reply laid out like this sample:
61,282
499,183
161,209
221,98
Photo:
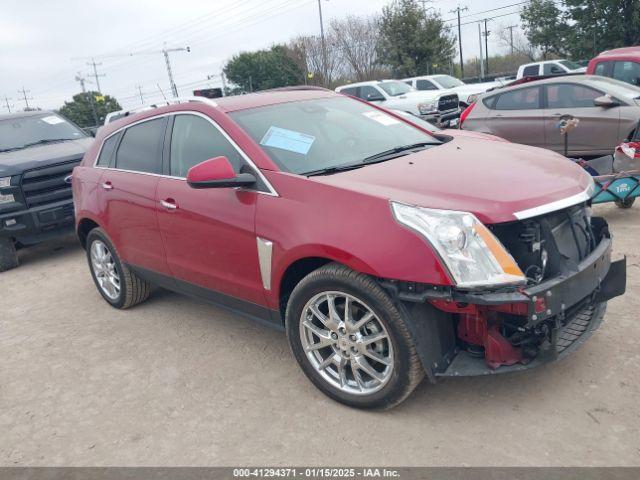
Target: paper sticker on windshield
52,120
381,118
287,140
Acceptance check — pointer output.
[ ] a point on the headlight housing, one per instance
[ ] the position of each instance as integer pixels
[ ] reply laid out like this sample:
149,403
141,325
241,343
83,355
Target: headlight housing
6,199
425,108
471,253
5,182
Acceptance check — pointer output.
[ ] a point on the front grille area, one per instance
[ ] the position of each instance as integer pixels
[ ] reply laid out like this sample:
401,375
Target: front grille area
46,185
551,244
447,102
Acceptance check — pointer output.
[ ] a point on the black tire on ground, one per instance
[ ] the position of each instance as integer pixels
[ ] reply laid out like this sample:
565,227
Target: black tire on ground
133,290
625,203
8,255
407,370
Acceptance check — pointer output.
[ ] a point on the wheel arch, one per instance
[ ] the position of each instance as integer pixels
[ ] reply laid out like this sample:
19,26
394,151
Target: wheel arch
83,227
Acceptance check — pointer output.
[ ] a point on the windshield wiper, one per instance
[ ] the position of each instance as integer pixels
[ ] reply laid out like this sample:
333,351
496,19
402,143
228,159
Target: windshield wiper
33,144
396,152
336,169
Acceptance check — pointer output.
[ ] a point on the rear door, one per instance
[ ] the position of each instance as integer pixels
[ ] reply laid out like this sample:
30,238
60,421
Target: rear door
597,132
209,233
127,195
517,115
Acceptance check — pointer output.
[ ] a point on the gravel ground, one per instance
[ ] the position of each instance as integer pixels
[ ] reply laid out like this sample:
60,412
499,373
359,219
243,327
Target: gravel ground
179,382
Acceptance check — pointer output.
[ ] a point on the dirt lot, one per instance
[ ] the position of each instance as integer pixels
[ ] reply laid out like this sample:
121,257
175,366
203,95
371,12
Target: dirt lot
179,382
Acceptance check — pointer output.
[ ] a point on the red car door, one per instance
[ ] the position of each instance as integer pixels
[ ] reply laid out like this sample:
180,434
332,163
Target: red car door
128,195
209,234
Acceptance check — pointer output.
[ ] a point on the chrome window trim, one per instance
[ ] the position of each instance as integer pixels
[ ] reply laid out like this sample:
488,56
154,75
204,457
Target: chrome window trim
272,191
584,196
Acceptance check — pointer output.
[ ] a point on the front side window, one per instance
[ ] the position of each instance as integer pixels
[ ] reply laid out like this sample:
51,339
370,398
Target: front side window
22,132
141,147
311,135
423,84
523,99
394,89
353,91
601,68
566,95
552,69
370,93
628,72
447,81
569,64
194,140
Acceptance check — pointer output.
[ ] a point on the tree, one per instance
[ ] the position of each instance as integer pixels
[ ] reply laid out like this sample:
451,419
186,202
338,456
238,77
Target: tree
308,51
545,27
581,29
412,41
271,68
357,40
79,110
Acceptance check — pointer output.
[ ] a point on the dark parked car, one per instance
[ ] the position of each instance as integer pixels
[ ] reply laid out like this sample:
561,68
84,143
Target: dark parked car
386,252
38,151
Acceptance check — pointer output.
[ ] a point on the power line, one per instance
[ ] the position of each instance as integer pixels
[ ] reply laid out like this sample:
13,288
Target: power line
487,11
24,96
96,75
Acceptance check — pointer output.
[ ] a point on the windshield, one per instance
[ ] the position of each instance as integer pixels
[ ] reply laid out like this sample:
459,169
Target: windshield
311,135
20,132
614,87
394,89
447,81
570,65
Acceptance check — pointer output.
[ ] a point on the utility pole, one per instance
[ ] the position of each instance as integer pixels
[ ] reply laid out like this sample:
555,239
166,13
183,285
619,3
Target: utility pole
6,101
511,27
165,52
486,44
458,10
81,80
481,59
139,87
324,45
96,75
24,96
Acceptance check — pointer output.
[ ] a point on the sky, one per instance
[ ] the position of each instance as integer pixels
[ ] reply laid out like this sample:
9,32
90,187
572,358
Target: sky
45,44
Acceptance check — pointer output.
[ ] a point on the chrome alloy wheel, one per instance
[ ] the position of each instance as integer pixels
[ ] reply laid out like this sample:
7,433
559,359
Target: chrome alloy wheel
346,343
104,268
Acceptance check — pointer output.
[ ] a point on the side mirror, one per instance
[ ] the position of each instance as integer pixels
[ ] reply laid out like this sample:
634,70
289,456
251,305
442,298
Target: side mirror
217,173
605,101
372,97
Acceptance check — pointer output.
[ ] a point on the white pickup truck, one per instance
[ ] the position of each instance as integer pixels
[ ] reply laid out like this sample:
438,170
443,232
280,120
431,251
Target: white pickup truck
439,108
549,67
467,92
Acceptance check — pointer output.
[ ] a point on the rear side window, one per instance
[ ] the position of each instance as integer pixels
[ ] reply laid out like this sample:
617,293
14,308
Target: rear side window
141,147
523,99
552,69
425,85
566,95
601,69
353,91
106,154
370,93
531,70
194,140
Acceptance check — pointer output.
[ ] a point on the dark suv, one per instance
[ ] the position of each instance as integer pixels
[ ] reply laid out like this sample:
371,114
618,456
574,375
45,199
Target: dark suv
38,151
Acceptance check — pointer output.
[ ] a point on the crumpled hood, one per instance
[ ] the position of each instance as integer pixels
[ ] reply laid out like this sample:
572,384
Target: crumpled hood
494,180
16,162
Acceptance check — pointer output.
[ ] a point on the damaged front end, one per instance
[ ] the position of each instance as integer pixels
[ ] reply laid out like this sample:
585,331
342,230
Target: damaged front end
566,258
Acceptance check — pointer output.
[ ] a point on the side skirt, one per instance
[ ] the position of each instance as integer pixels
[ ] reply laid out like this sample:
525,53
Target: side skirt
258,313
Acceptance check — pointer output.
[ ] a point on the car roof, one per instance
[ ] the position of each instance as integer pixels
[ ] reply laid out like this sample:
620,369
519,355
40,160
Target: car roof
271,97
370,82
624,51
30,113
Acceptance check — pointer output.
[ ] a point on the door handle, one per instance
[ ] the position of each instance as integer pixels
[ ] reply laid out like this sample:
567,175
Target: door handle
107,185
169,204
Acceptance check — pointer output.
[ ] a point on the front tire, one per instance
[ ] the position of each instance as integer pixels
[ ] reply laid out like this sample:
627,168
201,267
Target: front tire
117,284
351,340
625,203
8,254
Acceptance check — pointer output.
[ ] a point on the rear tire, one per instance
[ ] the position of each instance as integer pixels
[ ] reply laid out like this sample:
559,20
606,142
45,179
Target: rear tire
338,352
117,284
625,203
8,254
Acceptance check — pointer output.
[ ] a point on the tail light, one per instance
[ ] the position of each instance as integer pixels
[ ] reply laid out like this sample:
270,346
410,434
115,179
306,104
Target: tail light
465,114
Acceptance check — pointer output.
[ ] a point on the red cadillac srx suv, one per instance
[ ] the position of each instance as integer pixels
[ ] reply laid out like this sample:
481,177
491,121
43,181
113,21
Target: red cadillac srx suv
386,252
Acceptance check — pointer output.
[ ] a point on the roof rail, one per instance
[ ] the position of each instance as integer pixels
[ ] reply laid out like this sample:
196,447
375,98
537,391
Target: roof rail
296,87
